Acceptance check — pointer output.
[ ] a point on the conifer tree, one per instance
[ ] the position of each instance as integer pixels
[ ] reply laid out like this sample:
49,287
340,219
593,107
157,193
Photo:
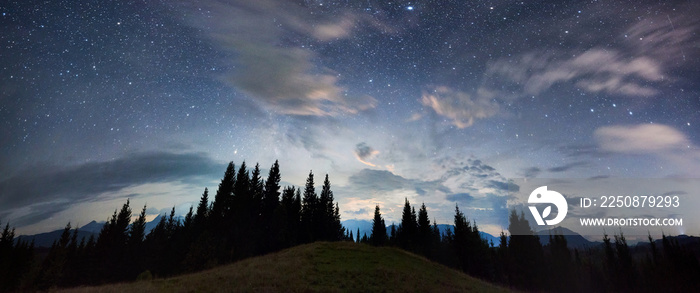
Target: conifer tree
271,195
424,238
135,243
525,254
308,209
189,218
298,204
256,195
53,267
122,224
138,229
173,223
202,214
365,239
406,233
560,263
272,216
336,225
325,211
223,199
378,237
243,198
329,225
257,185
6,239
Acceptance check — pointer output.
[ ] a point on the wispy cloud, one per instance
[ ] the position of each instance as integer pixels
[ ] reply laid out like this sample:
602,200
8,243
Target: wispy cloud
567,167
283,79
459,107
640,139
364,152
595,70
531,172
36,194
654,139
638,63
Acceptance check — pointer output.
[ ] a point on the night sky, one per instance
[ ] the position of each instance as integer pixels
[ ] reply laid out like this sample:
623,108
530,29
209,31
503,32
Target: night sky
440,102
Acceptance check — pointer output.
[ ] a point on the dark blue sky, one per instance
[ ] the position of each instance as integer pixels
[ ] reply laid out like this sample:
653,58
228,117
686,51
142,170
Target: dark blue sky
440,102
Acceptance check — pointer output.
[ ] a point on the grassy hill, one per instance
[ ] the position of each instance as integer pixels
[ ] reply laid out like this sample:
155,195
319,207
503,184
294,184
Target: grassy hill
323,266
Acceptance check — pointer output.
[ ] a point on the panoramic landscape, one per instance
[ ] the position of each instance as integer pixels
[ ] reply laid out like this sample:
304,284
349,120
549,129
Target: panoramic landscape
349,146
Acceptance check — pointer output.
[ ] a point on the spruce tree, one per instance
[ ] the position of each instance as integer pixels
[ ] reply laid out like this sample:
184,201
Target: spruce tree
424,231
472,251
336,225
53,266
173,223
223,199
243,198
135,249
272,219
308,210
330,225
296,217
378,237
239,230
325,211
406,233
271,195
202,214
189,218
138,229
525,254
257,194
122,224
291,214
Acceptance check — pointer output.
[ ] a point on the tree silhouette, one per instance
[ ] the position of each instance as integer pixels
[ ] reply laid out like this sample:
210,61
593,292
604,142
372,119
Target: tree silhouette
223,199
525,261
308,210
200,218
138,230
471,249
272,218
424,239
406,234
378,237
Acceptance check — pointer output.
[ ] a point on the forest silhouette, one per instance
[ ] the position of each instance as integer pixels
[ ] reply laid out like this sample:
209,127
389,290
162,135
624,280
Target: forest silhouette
251,216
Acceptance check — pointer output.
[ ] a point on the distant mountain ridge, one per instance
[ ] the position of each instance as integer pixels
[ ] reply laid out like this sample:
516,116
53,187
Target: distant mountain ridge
90,229
573,239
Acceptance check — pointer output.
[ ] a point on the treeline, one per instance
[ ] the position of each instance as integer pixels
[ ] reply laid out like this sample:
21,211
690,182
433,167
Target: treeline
251,216
248,216
522,262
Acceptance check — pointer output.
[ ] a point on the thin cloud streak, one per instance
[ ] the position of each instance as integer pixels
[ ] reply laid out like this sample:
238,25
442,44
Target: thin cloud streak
48,190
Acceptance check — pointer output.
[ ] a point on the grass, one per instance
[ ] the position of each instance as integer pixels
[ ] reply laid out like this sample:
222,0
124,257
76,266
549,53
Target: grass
318,267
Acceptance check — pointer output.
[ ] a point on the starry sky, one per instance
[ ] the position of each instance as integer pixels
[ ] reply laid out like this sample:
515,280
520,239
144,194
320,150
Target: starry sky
441,102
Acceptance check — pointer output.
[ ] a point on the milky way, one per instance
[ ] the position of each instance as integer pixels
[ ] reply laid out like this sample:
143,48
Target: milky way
442,102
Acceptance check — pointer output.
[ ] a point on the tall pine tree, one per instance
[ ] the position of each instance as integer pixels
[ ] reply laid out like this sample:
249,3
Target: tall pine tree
223,198
308,210
202,214
378,237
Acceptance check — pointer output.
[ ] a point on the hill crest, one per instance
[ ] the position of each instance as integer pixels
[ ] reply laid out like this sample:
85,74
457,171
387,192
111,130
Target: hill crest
320,266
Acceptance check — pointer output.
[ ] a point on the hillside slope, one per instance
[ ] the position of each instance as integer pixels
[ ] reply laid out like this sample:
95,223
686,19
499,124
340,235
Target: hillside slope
323,266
